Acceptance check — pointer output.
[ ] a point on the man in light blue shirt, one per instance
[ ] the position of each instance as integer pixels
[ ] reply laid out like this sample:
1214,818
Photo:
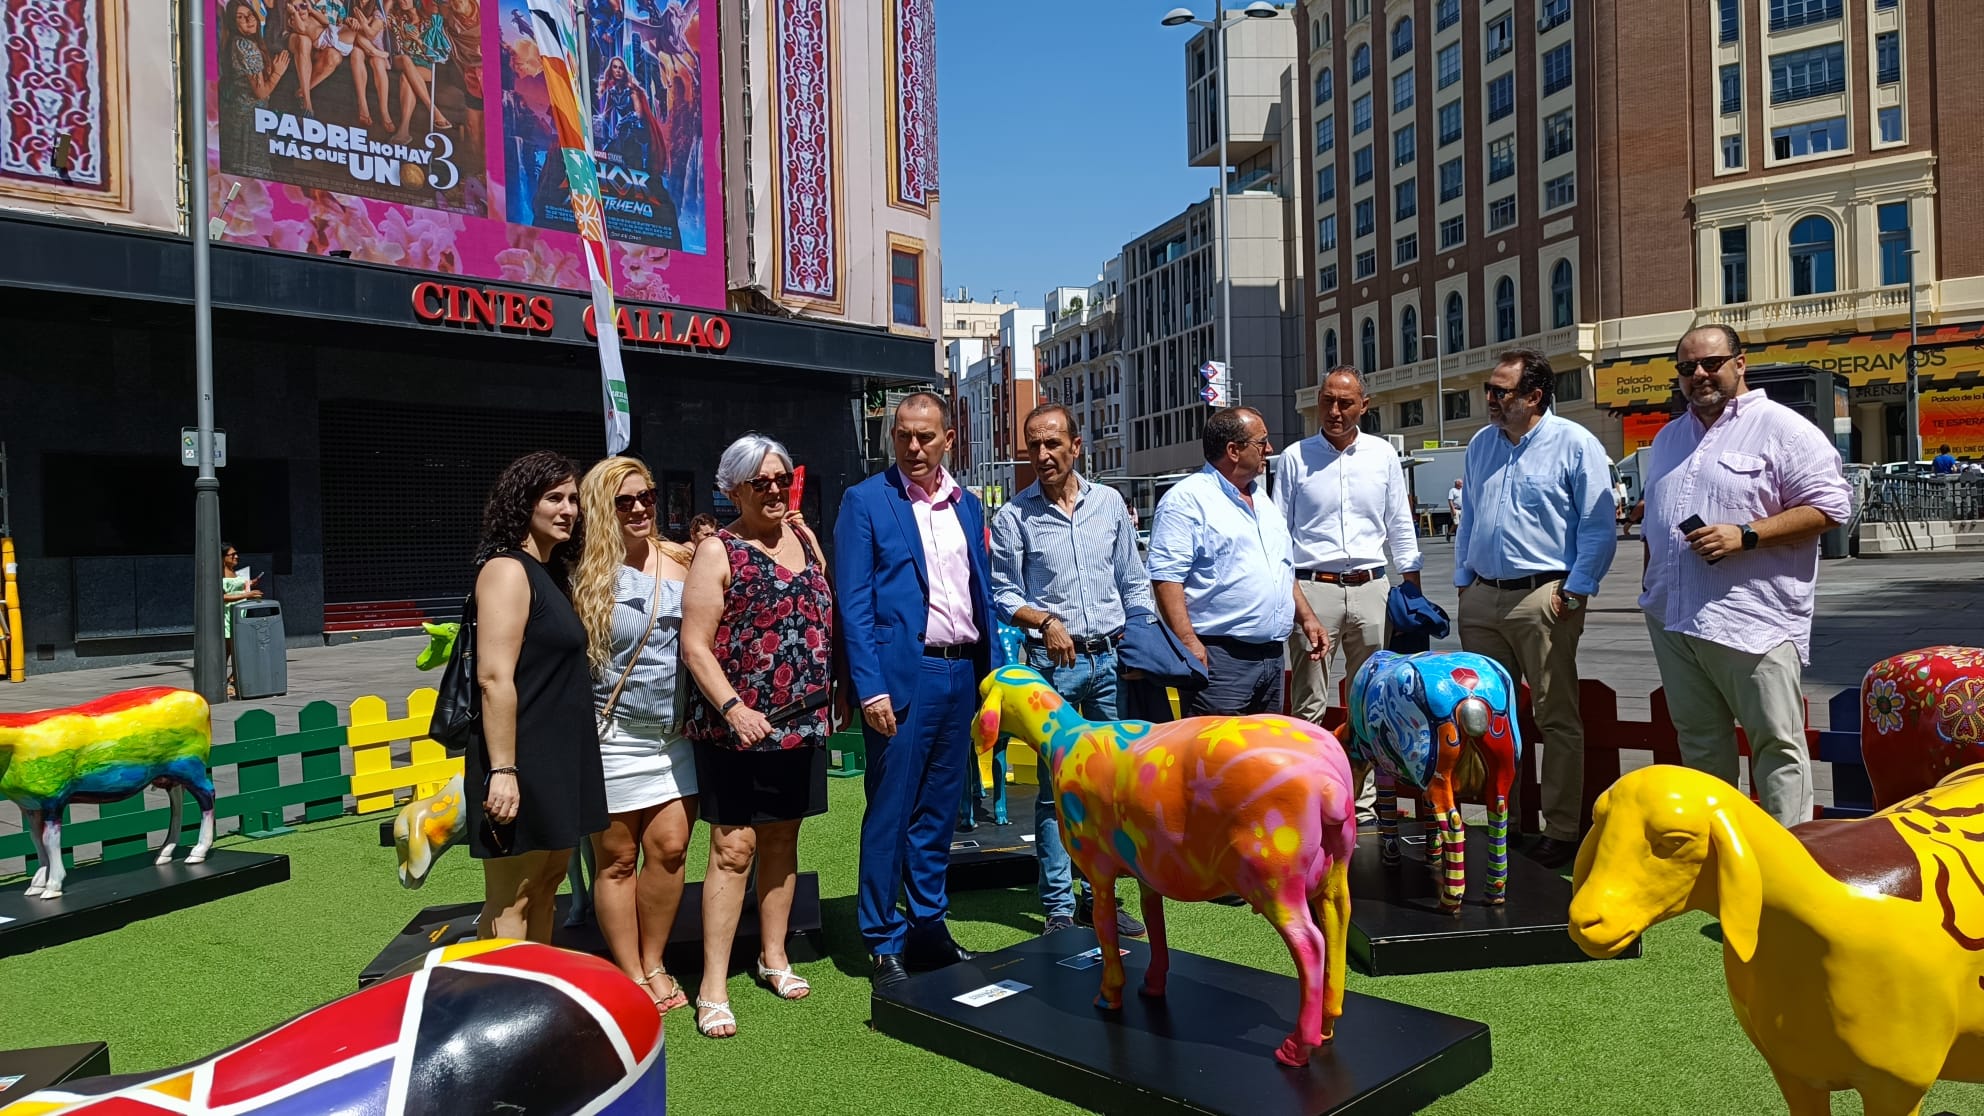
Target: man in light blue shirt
1223,570
1535,542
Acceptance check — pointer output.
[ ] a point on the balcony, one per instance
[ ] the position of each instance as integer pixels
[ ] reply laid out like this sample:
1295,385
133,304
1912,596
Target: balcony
1470,367
1853,309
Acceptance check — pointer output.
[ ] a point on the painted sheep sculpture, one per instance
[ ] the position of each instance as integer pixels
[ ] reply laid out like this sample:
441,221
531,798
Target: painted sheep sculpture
488,1026
1197,809
1443,723
105,751
427,827
1853,950
1012,645
1922,717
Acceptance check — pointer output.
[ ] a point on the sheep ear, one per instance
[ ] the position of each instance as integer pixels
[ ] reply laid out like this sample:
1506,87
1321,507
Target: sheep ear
985,727
1739,887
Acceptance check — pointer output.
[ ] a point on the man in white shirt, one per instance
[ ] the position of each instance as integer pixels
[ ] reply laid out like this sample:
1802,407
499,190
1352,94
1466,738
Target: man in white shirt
1454,502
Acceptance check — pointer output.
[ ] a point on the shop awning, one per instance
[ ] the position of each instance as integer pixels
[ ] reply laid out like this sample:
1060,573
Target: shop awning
1948,356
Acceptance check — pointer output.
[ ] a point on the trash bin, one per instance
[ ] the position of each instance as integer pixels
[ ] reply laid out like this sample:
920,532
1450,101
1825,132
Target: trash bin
261,665
1838,542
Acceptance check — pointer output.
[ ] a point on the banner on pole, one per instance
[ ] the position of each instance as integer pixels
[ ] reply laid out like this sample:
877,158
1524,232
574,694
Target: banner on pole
1218,383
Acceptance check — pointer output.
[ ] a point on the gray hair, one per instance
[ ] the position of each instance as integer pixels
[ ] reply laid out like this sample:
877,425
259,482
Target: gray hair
745,457
1351,371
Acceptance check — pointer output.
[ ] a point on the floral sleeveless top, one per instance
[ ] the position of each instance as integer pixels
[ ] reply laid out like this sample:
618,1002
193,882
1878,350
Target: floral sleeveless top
775,644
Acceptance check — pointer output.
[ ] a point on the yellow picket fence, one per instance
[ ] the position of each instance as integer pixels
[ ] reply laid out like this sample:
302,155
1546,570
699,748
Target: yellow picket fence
371,734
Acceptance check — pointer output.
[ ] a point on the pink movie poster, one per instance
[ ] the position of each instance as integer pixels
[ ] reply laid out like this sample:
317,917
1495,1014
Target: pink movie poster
416,133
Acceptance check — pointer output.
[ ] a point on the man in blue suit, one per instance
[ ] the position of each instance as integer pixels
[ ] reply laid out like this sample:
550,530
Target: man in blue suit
914,588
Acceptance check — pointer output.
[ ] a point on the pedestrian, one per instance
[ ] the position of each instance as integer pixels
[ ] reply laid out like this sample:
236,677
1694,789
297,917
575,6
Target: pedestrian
915,593
1737,495
1223,572
1528,559
1454,502
1944,464
1064,569
235,587
1344,495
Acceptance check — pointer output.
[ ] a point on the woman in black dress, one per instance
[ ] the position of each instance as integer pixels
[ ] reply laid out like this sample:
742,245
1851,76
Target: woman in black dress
535,788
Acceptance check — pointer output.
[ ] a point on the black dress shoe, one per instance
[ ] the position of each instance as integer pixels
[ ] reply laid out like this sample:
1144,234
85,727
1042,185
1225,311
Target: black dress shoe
1552,853
934,949
888,971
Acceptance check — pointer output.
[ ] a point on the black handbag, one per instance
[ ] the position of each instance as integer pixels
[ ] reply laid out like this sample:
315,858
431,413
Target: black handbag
458,705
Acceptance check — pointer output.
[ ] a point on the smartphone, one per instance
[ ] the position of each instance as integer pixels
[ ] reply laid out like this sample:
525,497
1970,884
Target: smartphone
1692,524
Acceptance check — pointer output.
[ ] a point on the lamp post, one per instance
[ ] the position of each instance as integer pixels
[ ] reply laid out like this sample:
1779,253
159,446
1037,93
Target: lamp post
1914,444
209,653
1178,17
1439,386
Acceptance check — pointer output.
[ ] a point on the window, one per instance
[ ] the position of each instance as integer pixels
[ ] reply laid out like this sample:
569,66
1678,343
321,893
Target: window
1326,183
1360,115
1732,87
1501,213
1732,152
1402,37
1405,198
1890,119
1325,87
1446,14
1563,299
1412,413
1570,385
1893,221
1500,36
906,283
1367,345
1812,269
1366,220
1360,165
1786,14
1329,349
1555,12
1326,233
1405,249
1885,5
1371,423
1556,69
1728,20
1815,138
1505,309
1452,117
1402,91
1452,179
1887,57
1457,405
1560,191
1735,265
1405,145
1456,323
1501,97
1325,282
1502,158
1408,336
1447,63
1367,264
1326,133
1559,134
1360,63
1453,231
1799,74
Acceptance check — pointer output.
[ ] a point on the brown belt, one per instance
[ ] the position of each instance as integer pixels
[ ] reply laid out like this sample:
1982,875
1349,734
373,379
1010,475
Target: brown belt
1352,579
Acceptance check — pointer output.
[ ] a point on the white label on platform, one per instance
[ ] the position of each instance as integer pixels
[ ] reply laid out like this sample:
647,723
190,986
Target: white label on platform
979,997
7,1083
4,920
1026,837
1090,959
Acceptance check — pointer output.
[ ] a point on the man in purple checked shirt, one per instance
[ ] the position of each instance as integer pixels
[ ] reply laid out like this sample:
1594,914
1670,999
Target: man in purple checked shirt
1737,494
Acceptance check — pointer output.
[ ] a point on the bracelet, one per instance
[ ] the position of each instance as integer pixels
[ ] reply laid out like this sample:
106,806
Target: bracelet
726,706
494,771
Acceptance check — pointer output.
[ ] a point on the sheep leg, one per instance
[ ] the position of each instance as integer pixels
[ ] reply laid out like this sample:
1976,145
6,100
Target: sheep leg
1387,807
1332,911
1886,1095
1451,865
175,796
1110,998
999,783
968,806
51,852
1804,1099
31,820
1289,911
205,798
1160,954
1498,850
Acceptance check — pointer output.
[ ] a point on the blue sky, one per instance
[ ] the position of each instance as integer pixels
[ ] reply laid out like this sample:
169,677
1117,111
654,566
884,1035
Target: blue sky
1062,133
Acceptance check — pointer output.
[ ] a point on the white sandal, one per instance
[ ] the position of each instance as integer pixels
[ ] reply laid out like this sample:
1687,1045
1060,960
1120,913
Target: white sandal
783,982
719,1014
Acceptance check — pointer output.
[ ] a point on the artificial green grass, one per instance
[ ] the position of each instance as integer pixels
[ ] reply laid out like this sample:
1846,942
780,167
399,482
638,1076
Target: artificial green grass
1653,1036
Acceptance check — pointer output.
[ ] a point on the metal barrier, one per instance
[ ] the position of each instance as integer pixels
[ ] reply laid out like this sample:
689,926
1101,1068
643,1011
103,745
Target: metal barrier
1918,499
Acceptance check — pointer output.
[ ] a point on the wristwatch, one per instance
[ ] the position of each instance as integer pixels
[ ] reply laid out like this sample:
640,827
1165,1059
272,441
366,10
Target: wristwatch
1749,537
1571,603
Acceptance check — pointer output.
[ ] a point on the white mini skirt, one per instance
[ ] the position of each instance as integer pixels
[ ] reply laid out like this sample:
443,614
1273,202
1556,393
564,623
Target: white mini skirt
644,765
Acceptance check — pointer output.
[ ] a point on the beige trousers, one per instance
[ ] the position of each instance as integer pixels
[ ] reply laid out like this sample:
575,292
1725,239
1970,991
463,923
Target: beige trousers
1354,617
1710,688
1516,628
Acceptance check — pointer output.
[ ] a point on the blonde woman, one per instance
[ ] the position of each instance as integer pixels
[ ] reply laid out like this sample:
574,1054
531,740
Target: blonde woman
628,593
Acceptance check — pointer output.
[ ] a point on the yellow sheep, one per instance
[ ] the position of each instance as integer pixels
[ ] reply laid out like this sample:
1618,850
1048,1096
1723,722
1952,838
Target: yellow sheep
1853,950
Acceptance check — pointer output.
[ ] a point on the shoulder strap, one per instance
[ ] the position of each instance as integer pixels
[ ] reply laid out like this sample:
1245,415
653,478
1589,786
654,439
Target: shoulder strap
634,656
808,544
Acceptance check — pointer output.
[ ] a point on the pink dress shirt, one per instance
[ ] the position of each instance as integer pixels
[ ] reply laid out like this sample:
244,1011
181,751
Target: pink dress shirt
946,558
1759,458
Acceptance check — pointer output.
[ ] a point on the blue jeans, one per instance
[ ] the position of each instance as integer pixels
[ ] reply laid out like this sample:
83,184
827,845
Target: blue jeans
1089,684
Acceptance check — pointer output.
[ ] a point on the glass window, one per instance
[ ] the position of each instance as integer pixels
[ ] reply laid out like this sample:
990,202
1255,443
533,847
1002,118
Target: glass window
1786,14
1446,14
1559,134
1457,405
1893,221
1367,264
1371,423
1402,37
1405,249
1815,138
1405,198
1360,165
1367,223
1452,179
1326,183
1563,298
1402,91
1329,349
1732,152
1557,69
1728,20
1799,74
1505,309
1452,119
1501,97
906,283
1732,87
1405,145
1408,335
1554,13
1367,345
1812,265
1560,191
1885,5
1360,63
1326,281
1502,158
1326,133
1887,57
1412,413
1325,86
1570,385
1890,119
1500,36
1448,64
1326,233
1453,231
1735,264
1456,323
1501,213
1360,115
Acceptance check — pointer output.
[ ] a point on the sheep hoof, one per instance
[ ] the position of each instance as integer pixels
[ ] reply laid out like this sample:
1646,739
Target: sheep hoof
197,856
51,893
1151,991
1292,1053
1106,1004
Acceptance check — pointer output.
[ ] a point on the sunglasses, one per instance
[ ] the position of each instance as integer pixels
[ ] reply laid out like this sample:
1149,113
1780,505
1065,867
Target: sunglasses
626,503
1495,391
1710,365
762,485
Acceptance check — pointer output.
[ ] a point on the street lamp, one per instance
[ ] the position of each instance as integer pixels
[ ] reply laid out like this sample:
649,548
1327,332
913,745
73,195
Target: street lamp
1914,390
209,652
1178,17
1439,386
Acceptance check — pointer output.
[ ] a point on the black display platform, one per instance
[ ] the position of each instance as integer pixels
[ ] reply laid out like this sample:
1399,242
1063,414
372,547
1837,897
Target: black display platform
99,897
1207,1047
446,925
42,1067
993,856
1396,926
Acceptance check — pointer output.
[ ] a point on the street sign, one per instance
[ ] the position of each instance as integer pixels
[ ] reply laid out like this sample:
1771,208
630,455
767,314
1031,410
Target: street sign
1430,443
189,447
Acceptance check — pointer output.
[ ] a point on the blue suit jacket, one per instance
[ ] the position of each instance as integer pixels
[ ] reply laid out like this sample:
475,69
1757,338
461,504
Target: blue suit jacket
882,587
